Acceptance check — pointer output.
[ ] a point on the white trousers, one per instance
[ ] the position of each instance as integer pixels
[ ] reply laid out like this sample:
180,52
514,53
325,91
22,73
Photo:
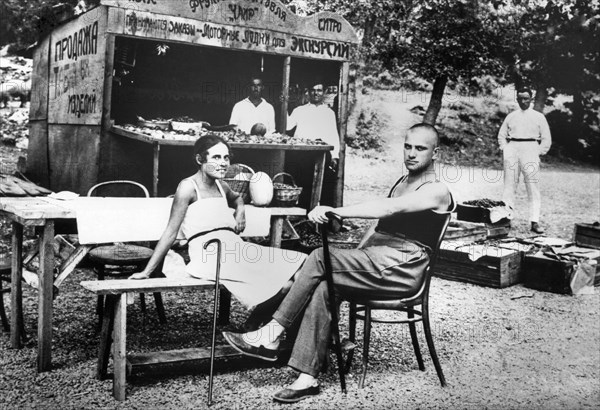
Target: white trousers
522,158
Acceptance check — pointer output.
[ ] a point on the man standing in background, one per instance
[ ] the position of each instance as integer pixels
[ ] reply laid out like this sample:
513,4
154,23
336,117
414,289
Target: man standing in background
523,137
254,110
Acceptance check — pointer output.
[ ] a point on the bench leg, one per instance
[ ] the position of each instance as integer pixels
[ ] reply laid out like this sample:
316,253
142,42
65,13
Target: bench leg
106,337
119,346
16,313
160,308
224,306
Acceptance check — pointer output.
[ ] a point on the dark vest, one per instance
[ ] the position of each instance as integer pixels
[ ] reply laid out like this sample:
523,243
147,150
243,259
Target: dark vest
422,226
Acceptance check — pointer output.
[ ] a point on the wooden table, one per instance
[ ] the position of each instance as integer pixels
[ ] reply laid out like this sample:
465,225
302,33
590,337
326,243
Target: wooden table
278,150
43,213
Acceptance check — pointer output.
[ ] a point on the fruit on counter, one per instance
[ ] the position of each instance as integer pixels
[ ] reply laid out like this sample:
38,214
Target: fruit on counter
261,189
258,129
484,203
232,136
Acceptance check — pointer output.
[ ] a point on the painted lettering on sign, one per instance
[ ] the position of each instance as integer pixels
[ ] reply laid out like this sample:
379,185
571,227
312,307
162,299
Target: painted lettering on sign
320,47
203,4
81,104
257,38
80,43
268,5
242,13
66,77
330,24
221,33
145,24
143,1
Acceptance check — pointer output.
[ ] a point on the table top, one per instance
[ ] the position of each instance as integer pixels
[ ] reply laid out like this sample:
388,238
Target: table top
115,129
38,209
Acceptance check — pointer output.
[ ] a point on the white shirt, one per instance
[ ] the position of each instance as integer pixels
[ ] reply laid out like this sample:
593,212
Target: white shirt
316,122
245,114
526,124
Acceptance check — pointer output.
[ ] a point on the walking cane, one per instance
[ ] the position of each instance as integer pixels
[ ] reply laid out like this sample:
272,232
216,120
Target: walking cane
333,218
215,313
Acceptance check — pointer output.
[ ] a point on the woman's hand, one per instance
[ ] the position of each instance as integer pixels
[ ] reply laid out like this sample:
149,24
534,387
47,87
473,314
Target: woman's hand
240,220
140,275
317,215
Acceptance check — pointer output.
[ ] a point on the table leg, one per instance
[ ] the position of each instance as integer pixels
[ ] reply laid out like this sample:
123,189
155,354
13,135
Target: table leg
45,294
119,346
317,186
276,231
106,336
155,170
16,297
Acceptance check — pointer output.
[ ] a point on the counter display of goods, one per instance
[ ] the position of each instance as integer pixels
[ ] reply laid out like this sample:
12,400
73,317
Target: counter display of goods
229,136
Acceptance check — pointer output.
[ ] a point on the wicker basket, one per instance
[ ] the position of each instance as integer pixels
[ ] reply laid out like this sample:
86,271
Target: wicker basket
239,185
285,195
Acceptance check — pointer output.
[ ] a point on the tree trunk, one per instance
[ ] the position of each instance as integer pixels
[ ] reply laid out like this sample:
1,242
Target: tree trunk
435,103
541,95
578,113
369,30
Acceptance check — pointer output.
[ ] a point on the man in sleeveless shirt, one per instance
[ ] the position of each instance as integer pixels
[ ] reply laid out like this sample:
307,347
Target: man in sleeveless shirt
390,262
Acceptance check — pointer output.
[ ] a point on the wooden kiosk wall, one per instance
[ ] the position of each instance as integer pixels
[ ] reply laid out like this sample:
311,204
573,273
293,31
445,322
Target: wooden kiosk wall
71,146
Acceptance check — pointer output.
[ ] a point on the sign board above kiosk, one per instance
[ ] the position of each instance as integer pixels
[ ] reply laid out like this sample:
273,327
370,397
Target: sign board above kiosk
255,25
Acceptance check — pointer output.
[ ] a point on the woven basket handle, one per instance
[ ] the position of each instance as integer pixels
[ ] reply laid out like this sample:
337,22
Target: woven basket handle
237,168
283,174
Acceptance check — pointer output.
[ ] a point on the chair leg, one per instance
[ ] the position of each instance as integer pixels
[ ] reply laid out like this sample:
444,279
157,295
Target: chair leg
366,343
432,352
351,335
415,340
224,306
160,308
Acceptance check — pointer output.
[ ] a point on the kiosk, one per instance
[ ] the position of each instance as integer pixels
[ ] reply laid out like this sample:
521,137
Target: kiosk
166,59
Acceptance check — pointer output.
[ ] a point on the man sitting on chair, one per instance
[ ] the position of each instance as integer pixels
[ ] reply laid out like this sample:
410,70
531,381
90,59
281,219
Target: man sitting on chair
389,263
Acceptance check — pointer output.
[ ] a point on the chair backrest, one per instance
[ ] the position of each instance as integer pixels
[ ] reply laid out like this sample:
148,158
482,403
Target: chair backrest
119,188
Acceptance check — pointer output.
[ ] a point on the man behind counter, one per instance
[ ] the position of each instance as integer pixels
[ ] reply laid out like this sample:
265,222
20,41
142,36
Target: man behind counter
315,120
253,110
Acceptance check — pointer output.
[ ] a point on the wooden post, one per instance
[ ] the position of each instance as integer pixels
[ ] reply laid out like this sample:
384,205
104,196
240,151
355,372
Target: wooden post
45,294
317,186
276,231
155,164
119,346
108,81
285,92
16,317
338,198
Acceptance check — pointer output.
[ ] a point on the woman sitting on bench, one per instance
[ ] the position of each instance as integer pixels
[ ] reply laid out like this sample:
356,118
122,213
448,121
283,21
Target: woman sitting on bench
202,208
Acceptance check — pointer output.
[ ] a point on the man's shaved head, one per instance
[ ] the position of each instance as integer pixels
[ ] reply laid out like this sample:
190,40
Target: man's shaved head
426,129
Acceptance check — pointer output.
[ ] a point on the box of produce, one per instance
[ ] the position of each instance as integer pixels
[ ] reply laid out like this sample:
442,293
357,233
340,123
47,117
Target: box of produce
155,123
485,264
587,235
188,125
481,210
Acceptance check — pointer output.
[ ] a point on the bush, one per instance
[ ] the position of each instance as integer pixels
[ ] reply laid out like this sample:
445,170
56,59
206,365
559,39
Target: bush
368,131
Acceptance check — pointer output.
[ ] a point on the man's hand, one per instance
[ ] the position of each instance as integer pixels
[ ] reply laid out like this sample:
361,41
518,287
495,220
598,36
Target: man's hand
317,215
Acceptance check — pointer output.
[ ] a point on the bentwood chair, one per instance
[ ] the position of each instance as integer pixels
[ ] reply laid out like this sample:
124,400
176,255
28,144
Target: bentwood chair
120,259
416,308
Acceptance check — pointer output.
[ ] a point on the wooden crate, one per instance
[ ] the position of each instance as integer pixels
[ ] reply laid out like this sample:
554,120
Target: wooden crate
550,275
587,235
472,213
493,271
465,231
497,230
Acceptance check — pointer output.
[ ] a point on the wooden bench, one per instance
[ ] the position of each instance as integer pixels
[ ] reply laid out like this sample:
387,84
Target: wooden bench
115,322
